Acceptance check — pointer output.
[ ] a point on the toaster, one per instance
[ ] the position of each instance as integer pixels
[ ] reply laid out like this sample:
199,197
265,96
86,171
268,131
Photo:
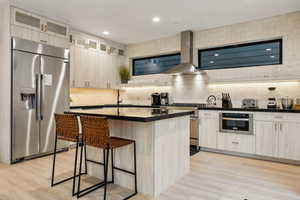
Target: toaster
249,103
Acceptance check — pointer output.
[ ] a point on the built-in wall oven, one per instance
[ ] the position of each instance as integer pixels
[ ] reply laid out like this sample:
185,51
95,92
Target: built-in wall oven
241,123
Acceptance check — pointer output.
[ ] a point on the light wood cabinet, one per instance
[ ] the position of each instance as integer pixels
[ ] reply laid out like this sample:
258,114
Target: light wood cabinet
94,68
278,136
266,138
209,124
288,140
29,26
236,143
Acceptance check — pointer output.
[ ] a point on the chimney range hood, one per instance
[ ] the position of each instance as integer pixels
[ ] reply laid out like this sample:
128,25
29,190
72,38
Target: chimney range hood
186,66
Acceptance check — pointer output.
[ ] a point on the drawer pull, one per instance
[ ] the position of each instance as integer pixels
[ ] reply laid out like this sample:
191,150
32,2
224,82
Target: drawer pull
235,142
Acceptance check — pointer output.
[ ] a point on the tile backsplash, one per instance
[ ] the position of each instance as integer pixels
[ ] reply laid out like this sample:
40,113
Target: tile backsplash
83,96
256,90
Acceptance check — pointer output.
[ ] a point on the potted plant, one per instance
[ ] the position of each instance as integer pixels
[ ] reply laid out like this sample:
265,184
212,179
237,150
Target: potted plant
124,74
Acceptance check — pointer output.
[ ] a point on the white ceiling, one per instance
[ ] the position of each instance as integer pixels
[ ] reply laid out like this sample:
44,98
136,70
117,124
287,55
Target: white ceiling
130,21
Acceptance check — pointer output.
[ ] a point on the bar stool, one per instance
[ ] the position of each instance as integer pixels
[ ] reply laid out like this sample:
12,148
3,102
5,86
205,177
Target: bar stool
67,129
95,132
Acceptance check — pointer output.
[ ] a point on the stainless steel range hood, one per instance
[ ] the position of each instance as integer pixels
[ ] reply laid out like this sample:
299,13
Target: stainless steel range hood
186,66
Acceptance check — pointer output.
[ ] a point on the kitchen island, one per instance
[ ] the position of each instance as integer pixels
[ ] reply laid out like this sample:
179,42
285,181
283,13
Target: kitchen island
162,139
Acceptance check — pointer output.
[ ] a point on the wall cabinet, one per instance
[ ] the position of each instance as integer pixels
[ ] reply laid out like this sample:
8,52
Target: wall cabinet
94,68
209,124
39,29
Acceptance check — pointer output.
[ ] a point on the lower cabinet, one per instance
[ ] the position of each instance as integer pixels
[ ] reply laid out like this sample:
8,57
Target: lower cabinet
276,135
208,131
266,138
278,139
236,143
289,140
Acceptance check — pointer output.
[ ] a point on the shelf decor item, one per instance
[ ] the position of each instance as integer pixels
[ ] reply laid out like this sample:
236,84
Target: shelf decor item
124,74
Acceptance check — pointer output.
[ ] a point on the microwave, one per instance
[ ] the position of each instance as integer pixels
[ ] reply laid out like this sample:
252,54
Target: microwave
240,123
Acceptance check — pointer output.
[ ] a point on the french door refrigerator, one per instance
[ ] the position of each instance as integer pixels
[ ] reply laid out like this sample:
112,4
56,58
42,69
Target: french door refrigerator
40,88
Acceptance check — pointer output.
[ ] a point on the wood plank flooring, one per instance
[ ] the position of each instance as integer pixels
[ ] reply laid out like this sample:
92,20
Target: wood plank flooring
212,177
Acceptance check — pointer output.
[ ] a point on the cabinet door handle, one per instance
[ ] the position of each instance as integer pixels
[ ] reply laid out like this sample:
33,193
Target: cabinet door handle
73,83
42,27
280,127
46,28
235,142
275,127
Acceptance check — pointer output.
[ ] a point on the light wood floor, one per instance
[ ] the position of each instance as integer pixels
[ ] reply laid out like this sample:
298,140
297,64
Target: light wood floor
212,177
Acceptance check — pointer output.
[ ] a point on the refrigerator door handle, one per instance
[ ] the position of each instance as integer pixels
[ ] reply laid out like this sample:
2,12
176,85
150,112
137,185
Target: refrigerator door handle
41,97
38,96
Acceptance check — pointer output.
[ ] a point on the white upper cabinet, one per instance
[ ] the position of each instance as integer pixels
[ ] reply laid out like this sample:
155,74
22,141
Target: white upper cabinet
93,65
26,19
55,28
39,29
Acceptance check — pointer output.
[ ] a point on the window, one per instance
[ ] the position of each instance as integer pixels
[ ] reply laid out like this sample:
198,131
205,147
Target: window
244,55
154,65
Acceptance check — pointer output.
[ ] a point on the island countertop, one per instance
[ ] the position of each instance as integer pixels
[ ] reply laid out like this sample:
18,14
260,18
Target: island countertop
131,113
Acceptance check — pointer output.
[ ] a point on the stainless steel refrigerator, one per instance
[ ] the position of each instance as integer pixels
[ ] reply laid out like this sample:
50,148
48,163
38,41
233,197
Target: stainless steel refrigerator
40,88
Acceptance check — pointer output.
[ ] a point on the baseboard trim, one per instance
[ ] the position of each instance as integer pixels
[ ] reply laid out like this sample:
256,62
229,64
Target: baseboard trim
251,156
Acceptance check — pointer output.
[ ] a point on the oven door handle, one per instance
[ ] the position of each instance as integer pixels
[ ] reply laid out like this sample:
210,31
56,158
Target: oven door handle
235,119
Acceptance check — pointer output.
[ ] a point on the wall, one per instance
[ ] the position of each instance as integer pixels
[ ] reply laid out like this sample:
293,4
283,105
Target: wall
142,95
257,90
195,89
83,97
5,79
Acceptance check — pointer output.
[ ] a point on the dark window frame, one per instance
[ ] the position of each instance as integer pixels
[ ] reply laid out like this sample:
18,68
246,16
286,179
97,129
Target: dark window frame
241,45
150,57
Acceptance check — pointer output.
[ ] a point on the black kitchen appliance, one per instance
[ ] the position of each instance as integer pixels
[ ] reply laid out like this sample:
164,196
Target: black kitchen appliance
164,98
156,99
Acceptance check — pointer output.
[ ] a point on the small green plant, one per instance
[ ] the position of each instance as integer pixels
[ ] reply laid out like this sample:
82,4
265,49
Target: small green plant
124,74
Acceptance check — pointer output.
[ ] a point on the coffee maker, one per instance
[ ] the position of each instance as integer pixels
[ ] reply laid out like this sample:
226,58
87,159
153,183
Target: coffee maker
164,98
156,99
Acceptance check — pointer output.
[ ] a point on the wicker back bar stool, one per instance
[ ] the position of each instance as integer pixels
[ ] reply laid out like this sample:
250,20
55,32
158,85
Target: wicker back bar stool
67,129
95,132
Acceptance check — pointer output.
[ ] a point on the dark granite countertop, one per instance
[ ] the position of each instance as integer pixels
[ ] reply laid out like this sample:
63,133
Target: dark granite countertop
251,109
140,114
115,106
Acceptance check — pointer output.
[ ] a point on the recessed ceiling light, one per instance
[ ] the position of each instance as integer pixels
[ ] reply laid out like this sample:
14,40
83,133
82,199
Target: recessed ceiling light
269,49
216,54
272,56
212,62
155,19
105,32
